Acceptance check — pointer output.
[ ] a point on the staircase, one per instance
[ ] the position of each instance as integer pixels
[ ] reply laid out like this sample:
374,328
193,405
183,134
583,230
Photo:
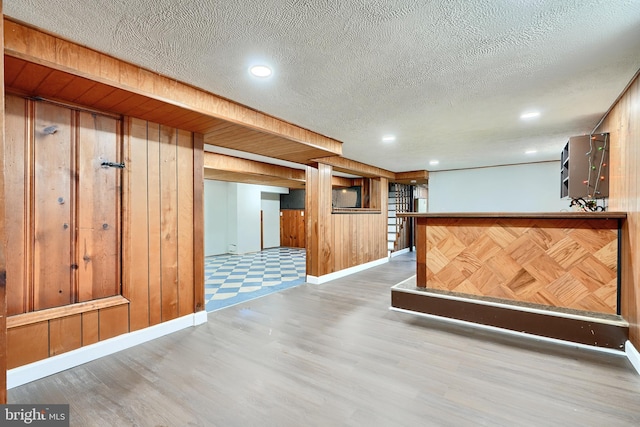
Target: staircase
400,200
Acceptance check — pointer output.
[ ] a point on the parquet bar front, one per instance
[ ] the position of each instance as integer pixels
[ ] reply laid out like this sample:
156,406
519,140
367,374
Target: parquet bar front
560,264
560,260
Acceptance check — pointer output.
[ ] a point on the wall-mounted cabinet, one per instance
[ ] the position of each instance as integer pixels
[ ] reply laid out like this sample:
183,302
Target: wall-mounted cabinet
585,167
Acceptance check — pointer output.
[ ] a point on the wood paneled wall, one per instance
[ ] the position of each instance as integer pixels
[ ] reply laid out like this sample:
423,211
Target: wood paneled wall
292,228
623,125
3,272
336,241
162,254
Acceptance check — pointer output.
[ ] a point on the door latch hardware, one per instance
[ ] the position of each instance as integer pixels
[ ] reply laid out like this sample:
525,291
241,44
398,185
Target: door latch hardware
112,165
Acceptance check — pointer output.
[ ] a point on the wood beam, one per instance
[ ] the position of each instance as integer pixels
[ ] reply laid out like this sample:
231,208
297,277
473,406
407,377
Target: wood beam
342,164
121,86
236,164
412,177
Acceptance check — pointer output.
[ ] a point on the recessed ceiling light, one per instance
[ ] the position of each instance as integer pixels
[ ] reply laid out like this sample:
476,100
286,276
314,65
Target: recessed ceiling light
388,138
531,152
260,71
530,115
434,162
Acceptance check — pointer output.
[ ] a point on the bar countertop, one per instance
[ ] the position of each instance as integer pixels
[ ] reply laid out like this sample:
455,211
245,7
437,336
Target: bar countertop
518,215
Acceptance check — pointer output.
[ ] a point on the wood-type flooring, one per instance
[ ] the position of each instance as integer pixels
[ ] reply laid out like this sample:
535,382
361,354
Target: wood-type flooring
335,355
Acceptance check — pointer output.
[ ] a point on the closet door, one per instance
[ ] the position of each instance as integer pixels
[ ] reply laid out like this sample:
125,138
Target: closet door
76,206
53,206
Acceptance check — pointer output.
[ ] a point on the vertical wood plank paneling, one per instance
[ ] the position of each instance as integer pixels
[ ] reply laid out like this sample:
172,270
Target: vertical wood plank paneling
16,160
292,228
53,206
65,334
154,216
312,249
90,330
98,207
113,321
623,124
169,222
135,265
198,222
3,269
325,231
27,344
185,225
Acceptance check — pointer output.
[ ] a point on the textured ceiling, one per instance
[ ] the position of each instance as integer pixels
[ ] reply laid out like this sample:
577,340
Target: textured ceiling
449,78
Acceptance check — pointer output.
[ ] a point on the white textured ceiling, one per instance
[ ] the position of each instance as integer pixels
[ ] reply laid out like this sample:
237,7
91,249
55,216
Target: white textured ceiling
449,78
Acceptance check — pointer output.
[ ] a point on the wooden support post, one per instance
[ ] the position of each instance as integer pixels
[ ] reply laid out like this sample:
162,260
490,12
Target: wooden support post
198,221
318,220
421,252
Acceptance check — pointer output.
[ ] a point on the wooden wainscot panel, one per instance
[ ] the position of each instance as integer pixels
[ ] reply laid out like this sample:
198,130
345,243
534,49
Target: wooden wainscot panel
65,334
114,321
27,344
90,327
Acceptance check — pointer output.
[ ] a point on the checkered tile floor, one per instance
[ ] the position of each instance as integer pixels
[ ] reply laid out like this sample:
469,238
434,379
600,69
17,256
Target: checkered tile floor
232,279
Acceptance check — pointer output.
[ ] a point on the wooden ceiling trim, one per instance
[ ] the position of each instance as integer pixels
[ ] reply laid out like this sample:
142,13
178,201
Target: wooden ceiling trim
342,164
37,47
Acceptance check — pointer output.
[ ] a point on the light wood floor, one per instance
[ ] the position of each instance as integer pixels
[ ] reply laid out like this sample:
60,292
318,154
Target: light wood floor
333,355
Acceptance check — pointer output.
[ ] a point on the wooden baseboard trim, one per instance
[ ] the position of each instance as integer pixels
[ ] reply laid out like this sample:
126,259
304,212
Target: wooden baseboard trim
587,331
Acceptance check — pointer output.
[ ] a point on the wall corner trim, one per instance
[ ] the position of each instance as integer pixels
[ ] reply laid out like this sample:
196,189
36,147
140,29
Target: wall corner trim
55,364
315,280
633,355
199,318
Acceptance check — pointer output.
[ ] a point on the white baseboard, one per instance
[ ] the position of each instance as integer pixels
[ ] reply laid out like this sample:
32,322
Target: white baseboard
400,252
633,355
200,317
52,365
346,272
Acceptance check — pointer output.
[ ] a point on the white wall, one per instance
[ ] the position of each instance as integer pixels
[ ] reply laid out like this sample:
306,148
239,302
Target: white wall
216,221
232,217
531,187
270,205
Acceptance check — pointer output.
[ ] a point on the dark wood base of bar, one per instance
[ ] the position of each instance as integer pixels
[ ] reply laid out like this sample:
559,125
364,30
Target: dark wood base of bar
593,331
